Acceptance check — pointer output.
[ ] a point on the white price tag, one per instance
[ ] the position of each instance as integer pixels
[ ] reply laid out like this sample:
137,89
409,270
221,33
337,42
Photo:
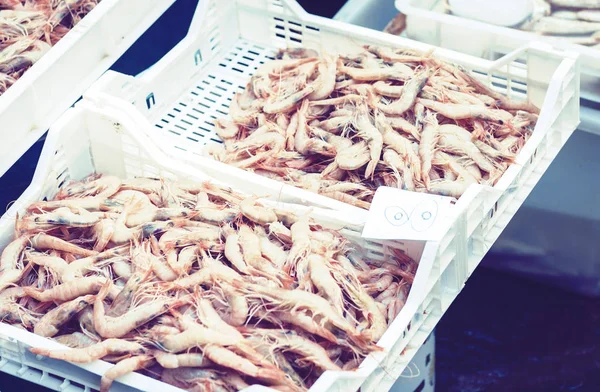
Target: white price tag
396,214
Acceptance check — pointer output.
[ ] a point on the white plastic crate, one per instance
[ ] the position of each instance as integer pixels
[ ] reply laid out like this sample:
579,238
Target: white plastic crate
176,101
57,80
528,246
426,22
193,84
87,139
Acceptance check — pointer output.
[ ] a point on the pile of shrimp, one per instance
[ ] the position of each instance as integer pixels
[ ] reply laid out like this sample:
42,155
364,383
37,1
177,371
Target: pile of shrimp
573,21
344,125
29,28
196,285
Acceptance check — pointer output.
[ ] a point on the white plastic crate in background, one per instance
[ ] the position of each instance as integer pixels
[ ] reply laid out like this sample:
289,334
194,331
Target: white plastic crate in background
376,14
57,80
87,140
427,22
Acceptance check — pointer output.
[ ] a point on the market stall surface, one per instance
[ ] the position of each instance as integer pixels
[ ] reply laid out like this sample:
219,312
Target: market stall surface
505,333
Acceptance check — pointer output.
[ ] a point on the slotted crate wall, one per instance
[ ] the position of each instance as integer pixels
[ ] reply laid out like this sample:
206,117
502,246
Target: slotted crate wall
190,122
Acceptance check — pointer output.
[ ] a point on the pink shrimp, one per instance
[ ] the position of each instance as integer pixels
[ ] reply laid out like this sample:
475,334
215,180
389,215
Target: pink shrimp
226,129
295,300
201,380
234,254
335,124
245,117
346,198
449,188
272,251
250,244
91,353
324,282
300,236
43,241
79,267
123,367
257,213
227,358
396,72
366,304
460,111
325,82
453,139
301,137
429,139
288,103
278,359
291,341
104,231
101,187
12,312
12,253
237,309
123,300
50,323
305,322
381,284
211,272
174,361
186,258
116,327
68,291
290,132
373,138
410,91
197,336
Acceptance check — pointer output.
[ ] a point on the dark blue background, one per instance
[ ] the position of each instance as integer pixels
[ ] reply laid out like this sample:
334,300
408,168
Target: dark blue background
502,333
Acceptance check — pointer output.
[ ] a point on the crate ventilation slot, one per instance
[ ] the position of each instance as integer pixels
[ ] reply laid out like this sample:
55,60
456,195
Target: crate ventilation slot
189,125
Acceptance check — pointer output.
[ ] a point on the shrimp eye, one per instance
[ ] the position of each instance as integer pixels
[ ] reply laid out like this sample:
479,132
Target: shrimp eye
501,122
